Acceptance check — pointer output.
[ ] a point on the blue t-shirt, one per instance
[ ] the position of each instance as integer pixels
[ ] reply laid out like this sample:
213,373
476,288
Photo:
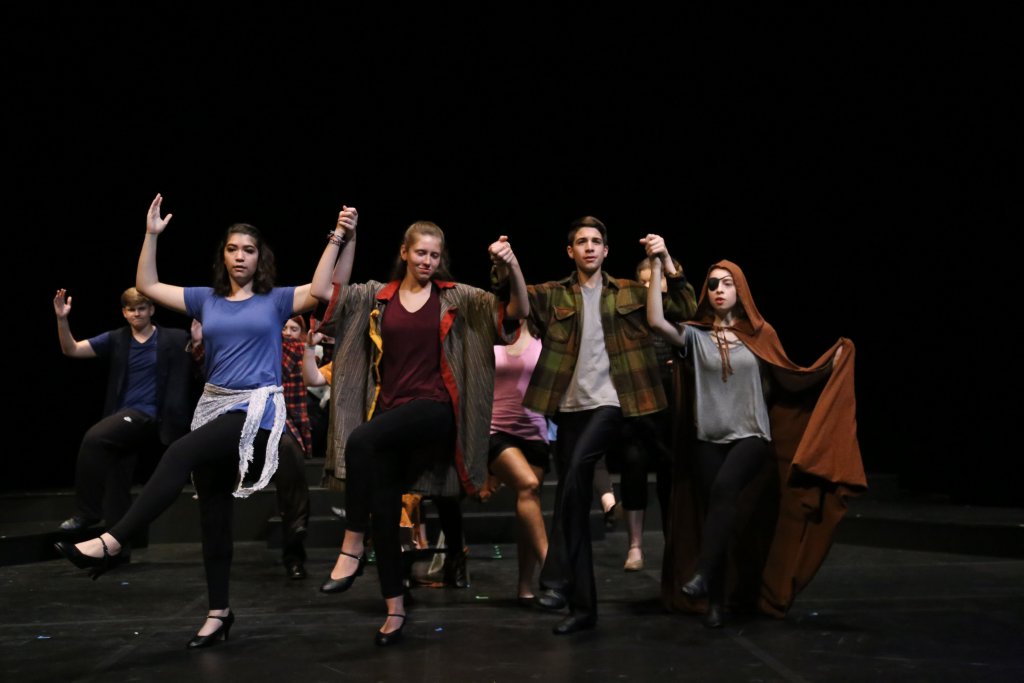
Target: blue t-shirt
242,338
139,391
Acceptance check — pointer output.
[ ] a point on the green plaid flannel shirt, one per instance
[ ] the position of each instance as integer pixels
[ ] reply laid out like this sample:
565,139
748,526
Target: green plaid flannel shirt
555,308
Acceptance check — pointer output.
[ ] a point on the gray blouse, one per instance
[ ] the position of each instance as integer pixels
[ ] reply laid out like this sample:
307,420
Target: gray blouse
732,410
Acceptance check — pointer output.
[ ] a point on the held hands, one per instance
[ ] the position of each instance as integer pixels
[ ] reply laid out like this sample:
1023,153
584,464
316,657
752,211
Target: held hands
656,249
348,217
154,223
61,306
501,252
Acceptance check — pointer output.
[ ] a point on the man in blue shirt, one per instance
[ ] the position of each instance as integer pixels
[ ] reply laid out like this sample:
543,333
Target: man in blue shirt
147,404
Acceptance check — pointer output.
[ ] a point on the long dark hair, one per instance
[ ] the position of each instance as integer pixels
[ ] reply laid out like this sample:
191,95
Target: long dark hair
412,233
266,270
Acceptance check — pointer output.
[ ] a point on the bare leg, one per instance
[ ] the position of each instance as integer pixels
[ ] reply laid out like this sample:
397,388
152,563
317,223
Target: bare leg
94,547
211,625
635,528
395,605
512,468
347,564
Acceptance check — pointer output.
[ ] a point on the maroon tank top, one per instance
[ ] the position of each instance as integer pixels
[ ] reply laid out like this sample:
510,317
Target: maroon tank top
411,365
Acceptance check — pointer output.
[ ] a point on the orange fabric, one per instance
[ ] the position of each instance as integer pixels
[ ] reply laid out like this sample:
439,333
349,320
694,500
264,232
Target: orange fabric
789,513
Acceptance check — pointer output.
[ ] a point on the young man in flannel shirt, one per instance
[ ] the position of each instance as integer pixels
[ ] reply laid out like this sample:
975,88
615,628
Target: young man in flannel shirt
597,369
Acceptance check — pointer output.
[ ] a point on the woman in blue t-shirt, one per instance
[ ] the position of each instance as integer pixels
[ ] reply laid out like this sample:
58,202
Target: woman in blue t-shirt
238,424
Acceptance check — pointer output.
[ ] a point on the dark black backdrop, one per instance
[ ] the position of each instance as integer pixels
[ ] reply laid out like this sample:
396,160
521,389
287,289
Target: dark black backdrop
857,162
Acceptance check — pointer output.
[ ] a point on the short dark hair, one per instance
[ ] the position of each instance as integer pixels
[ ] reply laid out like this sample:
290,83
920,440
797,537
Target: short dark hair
587,222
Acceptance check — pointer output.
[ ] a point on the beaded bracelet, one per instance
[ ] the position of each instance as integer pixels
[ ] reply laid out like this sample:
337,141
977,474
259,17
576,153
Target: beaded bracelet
335,238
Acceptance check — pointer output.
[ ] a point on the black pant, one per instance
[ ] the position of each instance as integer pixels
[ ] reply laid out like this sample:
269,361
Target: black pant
211,452
106,463
724,470
583,439
292,498
380,460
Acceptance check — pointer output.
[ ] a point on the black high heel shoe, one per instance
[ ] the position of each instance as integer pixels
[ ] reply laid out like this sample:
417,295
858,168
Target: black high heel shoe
96,565
695,588
385,639
343,584
209,639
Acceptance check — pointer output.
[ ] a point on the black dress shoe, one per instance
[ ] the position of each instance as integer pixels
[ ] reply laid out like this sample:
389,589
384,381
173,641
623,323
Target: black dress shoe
695,588
209,639
343,584
385,639
456,573
96,565
573,623
78,522
294,569
715,616
551,599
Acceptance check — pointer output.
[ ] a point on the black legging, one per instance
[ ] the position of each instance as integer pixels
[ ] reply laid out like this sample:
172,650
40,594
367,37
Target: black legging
211,452
724,469
378,459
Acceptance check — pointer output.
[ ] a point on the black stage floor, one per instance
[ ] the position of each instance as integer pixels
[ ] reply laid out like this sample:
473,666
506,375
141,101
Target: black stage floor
871,614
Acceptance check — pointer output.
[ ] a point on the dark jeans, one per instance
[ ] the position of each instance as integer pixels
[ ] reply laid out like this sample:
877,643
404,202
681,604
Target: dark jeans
106,463
583,439
211,452
724,470
380,461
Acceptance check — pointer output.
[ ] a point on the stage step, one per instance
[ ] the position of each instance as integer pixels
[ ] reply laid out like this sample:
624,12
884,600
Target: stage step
883,518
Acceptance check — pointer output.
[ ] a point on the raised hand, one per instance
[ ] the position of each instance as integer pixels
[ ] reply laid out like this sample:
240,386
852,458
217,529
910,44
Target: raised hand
154,223
501,252
61,306
348,218
655,247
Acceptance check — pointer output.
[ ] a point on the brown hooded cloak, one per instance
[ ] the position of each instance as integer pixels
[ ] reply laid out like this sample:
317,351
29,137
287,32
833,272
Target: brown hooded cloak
788,514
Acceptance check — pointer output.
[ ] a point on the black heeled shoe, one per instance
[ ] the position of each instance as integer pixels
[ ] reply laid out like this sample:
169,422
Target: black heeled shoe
385,639
96,565
221,633
695,588
343,584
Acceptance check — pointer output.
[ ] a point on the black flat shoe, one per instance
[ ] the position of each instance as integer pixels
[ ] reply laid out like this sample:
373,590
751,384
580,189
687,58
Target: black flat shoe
78,522
209,639
695,588
385,639
715,616
574,623
96,565
550,599
343,584
612,516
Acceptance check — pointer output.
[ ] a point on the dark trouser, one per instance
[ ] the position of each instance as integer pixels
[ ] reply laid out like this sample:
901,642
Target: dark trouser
292,498
724,470
583,439
378,459
449,518
106,463
211,452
